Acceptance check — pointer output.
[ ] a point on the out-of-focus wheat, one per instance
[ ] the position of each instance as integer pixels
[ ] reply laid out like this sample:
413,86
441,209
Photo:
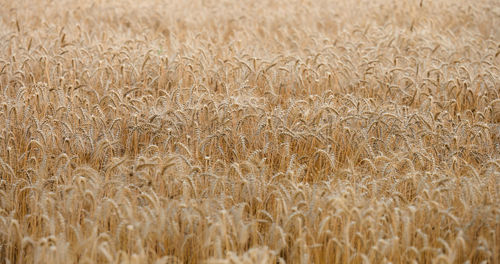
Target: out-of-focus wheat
249,131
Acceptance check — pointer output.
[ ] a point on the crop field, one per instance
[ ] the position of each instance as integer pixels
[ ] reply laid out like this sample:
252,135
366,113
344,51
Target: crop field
267,131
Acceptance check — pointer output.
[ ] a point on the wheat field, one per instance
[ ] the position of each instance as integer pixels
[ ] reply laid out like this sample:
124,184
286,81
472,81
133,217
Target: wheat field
270,131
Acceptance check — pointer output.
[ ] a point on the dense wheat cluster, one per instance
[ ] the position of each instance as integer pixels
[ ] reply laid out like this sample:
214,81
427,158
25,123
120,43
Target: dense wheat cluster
270,131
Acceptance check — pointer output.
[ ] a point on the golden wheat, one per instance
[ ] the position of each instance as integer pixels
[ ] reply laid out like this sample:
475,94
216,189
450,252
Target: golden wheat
208,131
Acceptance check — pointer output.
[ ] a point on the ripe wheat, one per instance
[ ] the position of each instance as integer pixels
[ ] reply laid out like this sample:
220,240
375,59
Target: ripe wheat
207,131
